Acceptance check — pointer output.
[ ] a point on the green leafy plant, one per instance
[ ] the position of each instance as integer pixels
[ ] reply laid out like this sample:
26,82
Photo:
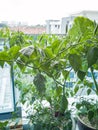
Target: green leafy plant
40,75
53,57
3,125
88,111
84,58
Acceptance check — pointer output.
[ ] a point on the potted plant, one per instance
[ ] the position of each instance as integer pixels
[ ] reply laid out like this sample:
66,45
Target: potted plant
83,57
88,114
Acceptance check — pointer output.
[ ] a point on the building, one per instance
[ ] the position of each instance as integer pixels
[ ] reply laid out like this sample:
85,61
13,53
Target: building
93,15
53,26
66,24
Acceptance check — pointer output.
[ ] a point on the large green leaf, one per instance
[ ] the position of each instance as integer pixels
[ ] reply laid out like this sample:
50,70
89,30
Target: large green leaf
92,56
39,82
4,57
78,106
58,90
48,52
55,46
2,63
81,74
3,124
76,89
90,115
13,52
81,30
65,74
88,91
75,61
63,104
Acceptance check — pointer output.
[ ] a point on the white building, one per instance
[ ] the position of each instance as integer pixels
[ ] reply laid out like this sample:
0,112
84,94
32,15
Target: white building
93,15
53,27
66,23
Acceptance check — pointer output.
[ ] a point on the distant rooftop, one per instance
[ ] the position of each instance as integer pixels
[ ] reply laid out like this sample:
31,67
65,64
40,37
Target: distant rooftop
29,29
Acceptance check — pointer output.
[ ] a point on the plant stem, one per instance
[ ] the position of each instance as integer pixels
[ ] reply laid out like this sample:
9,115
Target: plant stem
57,81
94,80
64,89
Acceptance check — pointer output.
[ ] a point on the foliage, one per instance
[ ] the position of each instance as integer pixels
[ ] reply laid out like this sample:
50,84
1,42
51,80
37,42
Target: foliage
46,117
39,61
51,58
48,106
88,108
3,125
85,57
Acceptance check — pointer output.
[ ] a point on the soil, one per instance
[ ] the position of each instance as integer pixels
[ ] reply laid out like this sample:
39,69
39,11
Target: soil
92,124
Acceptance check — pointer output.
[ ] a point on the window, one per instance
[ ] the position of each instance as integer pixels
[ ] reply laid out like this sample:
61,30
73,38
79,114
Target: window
69,84
56,26
96,75
71,74
89,74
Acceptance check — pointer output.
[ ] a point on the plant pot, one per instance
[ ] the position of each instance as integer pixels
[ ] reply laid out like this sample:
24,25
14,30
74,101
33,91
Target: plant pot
82,125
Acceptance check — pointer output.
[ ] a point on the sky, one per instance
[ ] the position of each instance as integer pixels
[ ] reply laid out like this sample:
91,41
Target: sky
38,11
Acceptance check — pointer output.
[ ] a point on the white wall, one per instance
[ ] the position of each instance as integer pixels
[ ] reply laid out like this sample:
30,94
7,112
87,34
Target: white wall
53,27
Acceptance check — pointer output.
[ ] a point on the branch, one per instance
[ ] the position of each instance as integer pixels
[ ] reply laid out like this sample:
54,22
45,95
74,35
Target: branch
64,50
94,79
6,60
22,63
57,82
